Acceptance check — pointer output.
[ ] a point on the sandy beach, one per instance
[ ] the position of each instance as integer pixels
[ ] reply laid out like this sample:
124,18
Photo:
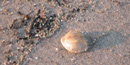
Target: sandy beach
31,31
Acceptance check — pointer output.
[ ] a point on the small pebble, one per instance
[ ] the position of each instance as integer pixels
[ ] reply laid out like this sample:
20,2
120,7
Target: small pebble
56,49
26,52
121,55
72,59
36,58
7,1
34,5
29,58
37,35
50,17
61,20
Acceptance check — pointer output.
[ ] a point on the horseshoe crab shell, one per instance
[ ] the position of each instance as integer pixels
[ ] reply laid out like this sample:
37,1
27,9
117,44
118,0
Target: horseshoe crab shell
75,41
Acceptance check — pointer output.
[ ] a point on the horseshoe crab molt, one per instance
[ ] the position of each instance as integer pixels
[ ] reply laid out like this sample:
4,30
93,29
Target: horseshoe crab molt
75,41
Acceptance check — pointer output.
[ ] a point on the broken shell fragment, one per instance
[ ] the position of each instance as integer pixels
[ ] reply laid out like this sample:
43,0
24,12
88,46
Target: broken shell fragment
75,41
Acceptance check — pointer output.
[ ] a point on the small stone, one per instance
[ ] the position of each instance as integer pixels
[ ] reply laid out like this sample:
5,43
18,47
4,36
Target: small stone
50,17
29,58
7,1
36,58
26,52
34,5
56,49
120,55
111,50
72,59
61,20
37,35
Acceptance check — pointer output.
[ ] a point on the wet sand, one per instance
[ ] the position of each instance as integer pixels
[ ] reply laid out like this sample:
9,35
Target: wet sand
90,16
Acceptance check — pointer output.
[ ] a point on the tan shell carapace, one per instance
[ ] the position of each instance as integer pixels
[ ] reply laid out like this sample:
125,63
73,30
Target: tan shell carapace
75,41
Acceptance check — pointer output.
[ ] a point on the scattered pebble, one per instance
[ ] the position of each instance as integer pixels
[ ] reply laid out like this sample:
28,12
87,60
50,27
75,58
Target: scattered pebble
72,59
34,5
56,49
26,52
36,58
7,2
121,55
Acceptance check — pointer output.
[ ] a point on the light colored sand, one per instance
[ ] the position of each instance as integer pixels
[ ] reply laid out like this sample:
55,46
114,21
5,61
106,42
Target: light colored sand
113,49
